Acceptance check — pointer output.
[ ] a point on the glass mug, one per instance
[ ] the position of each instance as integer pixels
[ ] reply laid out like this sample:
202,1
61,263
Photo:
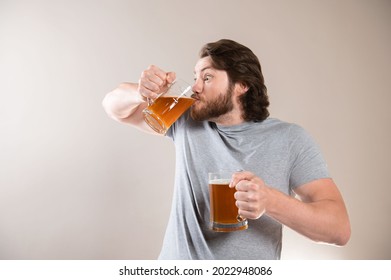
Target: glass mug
162,112
224,215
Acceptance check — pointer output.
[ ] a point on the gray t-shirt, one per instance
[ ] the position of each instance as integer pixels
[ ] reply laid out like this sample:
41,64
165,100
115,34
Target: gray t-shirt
282,154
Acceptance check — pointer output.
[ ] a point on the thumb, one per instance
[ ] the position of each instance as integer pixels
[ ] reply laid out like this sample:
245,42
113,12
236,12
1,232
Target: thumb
171,76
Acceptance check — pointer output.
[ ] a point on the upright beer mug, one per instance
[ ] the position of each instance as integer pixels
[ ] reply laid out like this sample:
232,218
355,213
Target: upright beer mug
162,112
224,215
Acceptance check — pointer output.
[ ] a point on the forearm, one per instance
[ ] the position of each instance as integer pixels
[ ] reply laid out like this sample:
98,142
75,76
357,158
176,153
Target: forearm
324,220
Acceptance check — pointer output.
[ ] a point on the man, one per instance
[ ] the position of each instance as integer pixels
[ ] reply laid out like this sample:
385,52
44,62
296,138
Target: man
285,179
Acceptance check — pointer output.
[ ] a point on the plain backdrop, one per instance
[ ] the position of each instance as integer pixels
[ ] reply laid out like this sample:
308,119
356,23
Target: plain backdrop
74,184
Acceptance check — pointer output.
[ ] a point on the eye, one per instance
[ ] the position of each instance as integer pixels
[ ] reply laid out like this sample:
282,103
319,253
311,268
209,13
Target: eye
207,77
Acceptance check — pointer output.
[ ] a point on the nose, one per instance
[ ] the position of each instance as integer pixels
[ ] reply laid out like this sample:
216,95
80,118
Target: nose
197,86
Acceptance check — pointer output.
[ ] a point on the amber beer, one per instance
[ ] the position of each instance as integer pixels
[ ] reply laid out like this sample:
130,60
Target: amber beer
223,211
168,107
165,110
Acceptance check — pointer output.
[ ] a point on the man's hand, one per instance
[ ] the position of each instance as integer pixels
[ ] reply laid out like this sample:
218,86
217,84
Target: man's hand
154,81
251,194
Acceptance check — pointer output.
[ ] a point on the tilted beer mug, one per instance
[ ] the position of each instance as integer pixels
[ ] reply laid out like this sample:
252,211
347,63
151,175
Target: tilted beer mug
162,112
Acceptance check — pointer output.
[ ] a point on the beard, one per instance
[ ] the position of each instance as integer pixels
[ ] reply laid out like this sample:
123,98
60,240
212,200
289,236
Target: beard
213,109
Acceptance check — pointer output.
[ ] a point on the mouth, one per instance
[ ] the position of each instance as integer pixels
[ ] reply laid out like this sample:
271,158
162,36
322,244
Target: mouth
194,96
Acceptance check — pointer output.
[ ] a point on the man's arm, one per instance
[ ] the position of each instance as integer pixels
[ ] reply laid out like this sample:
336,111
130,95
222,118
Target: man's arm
126,103
320,213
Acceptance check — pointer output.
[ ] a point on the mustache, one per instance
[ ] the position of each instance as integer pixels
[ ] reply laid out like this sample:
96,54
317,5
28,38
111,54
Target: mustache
195,96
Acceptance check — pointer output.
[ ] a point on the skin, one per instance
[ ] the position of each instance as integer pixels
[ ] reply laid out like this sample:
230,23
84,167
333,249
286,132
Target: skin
318,210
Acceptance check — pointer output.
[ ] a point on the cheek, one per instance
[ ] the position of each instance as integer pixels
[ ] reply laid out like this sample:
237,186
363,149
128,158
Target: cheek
211,93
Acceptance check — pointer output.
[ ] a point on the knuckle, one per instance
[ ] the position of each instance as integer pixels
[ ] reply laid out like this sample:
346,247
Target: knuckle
253,187
253,208
252,197
144,74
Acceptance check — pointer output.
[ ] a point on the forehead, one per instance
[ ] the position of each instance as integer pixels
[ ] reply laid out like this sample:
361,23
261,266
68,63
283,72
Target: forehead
203,64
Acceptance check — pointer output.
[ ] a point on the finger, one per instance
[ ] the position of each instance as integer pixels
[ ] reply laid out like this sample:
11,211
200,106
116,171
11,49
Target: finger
241,196
242,186
248,187
145,90
171,76
239,176
245,206
249,210
154,81
244,214
153,78
157,74
151,81
160,77
249,214
148,84
248,195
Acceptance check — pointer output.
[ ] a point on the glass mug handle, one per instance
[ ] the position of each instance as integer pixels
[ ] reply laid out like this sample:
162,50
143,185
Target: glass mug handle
240,218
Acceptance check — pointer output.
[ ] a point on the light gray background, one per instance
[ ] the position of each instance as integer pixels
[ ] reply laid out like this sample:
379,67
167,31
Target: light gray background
76,185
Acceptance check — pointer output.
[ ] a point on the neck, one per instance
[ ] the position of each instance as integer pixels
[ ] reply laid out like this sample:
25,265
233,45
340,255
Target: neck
233,117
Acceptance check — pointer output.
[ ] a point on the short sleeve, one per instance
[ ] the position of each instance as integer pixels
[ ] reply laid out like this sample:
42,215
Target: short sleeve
307,162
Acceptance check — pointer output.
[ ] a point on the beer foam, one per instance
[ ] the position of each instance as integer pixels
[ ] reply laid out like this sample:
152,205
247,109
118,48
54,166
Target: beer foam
219,181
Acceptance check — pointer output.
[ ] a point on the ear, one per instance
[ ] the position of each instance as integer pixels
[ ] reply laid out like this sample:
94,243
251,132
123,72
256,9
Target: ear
241,88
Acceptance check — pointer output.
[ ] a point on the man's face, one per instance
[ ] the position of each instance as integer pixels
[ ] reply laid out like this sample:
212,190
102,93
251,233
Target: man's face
212,92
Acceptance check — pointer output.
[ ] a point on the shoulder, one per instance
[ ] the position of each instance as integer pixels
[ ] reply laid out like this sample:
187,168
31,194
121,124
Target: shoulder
293,131
283,129
278,124
291,135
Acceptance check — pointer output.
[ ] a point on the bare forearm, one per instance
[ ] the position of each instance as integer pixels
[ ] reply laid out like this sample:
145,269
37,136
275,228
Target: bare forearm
324,220
320,214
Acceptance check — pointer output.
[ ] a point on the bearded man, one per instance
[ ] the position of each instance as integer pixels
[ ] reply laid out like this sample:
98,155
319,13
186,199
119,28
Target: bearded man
284,178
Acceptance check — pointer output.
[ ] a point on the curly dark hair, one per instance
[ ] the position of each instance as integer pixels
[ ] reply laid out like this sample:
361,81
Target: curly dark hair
242,66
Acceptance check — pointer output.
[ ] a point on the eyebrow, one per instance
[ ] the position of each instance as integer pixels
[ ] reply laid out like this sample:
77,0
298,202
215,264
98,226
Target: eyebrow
205,68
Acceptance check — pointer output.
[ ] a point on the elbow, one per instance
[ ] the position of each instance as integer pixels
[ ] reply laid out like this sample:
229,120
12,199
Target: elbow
113,106
122,102
337,234
343,235
105,104
108,107
111,109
